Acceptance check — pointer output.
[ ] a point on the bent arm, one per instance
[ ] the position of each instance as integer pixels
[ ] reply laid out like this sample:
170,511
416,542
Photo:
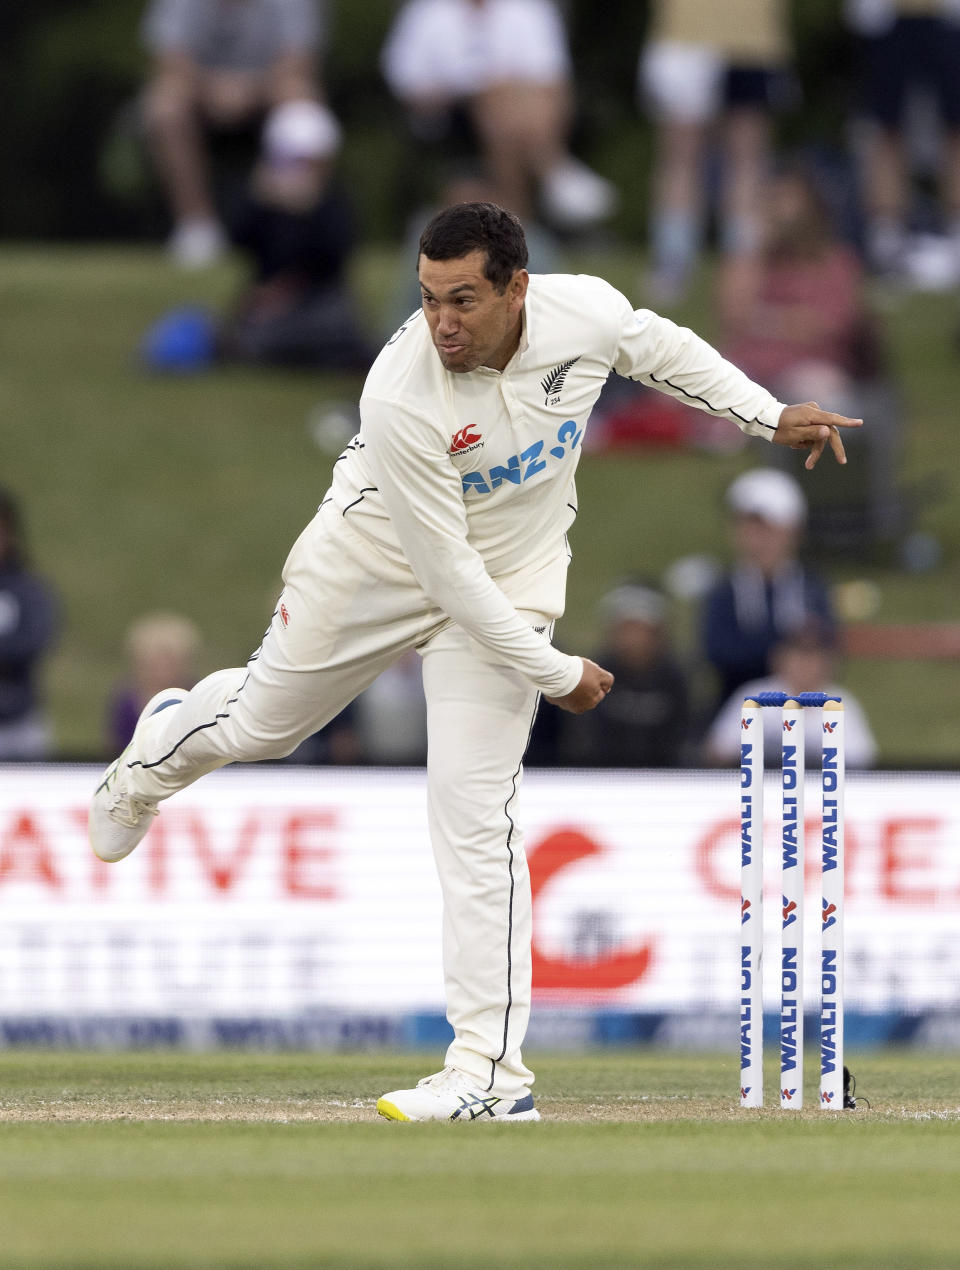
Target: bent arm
422,492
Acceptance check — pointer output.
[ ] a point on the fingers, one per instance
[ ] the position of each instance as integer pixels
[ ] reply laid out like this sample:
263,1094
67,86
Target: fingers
595,683
807,427
809,415
836,445
807,435
831,420
599,688
813,457
839,421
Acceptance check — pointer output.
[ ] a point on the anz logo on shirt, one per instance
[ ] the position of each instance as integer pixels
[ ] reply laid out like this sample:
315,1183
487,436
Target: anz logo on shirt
530,462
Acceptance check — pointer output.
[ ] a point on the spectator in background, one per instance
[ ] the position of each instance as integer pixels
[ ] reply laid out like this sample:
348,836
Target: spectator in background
298,228
28,623
803,662
794,315
645,722
502,68
767,594
721,64
218,66
161,649
908,48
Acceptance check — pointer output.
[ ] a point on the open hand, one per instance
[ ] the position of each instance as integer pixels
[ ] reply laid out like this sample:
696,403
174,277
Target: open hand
807,427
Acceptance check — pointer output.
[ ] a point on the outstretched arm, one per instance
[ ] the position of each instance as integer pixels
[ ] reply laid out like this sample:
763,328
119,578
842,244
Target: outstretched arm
807,427
674,360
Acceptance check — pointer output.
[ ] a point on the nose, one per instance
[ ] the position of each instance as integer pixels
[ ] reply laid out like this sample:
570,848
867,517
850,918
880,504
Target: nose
448,321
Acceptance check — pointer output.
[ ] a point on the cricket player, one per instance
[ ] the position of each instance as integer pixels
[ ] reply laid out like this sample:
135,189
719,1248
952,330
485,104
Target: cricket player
444,530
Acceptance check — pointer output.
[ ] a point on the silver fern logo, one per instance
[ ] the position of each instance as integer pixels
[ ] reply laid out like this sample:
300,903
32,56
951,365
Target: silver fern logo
552,384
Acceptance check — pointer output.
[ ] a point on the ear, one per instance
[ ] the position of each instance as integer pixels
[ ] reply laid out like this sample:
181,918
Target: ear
517,290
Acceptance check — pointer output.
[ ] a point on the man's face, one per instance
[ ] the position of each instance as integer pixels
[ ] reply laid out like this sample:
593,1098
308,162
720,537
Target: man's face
471,323
764,544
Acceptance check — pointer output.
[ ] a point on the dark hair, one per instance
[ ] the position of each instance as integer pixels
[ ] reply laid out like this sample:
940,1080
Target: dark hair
466,227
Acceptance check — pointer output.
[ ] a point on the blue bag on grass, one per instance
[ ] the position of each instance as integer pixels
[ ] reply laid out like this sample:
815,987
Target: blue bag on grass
182,340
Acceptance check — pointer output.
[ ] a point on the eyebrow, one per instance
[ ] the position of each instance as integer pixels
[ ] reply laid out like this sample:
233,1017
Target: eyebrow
457,290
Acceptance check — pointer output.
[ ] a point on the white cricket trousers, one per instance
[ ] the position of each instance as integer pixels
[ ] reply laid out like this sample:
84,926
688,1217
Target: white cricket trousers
345,614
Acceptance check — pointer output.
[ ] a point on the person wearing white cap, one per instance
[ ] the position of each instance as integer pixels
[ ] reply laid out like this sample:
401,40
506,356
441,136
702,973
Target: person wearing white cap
301,129
298,228
217,66
768,593
769,495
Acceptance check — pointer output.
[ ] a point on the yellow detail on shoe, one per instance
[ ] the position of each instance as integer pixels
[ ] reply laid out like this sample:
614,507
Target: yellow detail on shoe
388,1110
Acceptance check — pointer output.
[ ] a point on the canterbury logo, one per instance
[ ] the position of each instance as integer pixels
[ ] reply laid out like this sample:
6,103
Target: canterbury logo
552,385
463,439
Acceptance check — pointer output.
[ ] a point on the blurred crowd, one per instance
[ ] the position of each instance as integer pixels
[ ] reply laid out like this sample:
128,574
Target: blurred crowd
765,621
487,90
246,147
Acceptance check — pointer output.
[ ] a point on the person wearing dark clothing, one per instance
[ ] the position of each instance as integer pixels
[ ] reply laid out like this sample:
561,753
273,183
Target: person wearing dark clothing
908,55
768,593
314,244
298,230
28,623
645,723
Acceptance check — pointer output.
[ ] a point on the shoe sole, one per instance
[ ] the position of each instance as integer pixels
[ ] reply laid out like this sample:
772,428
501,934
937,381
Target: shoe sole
390,1111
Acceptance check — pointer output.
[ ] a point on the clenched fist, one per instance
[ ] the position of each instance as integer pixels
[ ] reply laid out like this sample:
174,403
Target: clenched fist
595,683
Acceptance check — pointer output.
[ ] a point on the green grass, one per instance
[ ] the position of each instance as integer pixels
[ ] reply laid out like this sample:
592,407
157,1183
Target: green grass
185,493
230,1160
144,492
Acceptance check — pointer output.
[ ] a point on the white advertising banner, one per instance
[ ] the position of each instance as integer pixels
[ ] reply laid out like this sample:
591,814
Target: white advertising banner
279,891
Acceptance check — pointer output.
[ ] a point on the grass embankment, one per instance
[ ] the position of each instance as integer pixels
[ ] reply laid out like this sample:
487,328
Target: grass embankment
185,493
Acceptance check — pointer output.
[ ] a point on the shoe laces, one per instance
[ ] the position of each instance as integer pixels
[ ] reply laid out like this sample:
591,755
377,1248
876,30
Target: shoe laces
446,1079
129,811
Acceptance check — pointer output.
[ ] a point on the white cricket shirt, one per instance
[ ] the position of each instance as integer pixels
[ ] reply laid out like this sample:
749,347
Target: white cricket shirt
468,479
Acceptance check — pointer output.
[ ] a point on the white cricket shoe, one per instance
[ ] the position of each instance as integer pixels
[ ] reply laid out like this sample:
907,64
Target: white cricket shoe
118,820
451,1095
